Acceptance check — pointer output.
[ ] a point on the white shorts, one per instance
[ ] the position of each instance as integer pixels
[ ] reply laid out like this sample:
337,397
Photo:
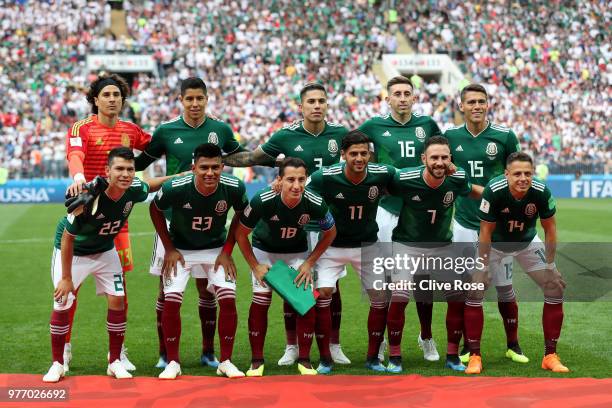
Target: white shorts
331,265
531,259
501,276
198,264
294,260
386,223
313,239
105,267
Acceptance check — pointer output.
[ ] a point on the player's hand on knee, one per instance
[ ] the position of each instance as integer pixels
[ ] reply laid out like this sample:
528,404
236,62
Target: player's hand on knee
63,289
304,275
227,262
259,272
171,259
555,281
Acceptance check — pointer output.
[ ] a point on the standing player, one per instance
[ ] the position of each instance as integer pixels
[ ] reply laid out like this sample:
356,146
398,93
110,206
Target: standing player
352,190
482,147
278,220
427,195
88,144
177,140
399,139
510,206
316,142
197,245
83,247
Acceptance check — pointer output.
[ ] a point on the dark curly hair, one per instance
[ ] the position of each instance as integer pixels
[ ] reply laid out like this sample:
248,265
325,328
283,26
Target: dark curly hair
105,80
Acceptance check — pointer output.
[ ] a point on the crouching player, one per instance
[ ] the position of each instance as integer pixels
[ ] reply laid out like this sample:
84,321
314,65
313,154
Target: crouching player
511,204
84,246
278,220
352,190
197,246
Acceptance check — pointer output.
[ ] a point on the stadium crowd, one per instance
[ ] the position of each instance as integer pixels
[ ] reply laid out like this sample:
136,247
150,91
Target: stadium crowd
546,68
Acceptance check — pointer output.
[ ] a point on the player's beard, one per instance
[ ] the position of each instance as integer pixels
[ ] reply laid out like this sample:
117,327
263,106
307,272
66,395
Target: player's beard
437,172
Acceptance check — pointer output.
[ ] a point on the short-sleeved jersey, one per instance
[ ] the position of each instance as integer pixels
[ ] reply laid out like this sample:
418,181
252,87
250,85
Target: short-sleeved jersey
198,221
280,229
399,145
177,140
515,219
316,150
95,233
426,212
353,206
96,140
483,156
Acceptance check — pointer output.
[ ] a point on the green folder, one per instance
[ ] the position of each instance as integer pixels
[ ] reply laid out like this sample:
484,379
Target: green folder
280,277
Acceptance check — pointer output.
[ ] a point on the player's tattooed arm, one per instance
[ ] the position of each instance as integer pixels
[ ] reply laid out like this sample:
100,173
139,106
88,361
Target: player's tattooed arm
247,159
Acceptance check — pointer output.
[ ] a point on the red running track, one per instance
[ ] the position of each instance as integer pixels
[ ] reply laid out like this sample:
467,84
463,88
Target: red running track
319,391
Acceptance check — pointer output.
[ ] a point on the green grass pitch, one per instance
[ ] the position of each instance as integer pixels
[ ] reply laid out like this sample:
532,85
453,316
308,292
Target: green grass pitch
26,236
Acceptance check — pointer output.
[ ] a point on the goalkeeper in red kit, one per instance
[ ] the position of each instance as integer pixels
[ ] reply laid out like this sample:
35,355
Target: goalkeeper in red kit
88,143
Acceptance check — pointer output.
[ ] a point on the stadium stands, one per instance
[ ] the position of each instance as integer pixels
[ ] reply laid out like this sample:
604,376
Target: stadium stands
547,67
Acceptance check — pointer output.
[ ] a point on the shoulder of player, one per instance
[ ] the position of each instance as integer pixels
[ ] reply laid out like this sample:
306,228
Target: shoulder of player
453,130
337,127
331,170
538,185
76,126
459,173
169,124
178,182
137,184
313,198
423,118
409,173
380,168
499,128
219,124
231,181
498,183
129,125
289,127
265,195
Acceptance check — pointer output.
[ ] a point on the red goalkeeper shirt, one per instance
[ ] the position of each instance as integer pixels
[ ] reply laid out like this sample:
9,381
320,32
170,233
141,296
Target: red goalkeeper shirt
96,140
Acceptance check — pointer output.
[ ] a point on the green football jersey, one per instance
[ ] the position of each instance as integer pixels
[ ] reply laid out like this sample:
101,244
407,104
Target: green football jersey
316,150
483,157
95,233
426,212
198,221
399,145
177,140
353,206
280,229
515,219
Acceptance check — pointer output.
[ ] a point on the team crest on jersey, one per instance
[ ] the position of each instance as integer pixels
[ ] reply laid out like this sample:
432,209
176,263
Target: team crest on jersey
448,198
491,150
304,218
221,207
127,208
373,193
419,132
125,140
332,146
213,138
530,209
